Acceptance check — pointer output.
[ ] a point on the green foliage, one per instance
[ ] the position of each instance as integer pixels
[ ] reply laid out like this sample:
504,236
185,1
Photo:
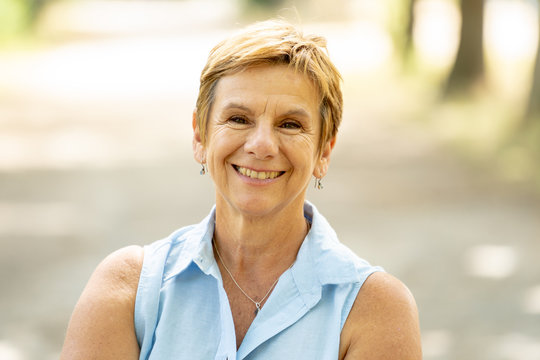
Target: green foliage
271,4
13,18
260,9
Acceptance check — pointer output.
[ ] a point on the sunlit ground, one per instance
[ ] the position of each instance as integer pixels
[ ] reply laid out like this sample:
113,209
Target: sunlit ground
114,88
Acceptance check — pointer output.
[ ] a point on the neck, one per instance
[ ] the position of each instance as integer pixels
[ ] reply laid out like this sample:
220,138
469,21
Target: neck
263,245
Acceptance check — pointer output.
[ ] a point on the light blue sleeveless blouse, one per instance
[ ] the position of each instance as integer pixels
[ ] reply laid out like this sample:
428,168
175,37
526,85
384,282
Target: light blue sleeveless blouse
182,310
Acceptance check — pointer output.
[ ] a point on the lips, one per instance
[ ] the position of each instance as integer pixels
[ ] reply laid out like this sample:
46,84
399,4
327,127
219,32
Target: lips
261,175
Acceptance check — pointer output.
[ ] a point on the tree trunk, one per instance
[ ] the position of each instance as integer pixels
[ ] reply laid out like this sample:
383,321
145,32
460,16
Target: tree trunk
409,41
34,8
469,65
533,108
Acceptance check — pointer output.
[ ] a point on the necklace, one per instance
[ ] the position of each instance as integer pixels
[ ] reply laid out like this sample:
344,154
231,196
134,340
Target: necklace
257,303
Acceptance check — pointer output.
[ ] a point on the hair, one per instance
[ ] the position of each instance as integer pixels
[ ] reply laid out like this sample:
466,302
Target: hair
274,42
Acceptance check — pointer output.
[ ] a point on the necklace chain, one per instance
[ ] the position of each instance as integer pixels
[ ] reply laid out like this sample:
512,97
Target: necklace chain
257,303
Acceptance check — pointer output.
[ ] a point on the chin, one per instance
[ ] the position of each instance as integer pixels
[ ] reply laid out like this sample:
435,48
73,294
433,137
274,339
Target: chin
256,207
259,206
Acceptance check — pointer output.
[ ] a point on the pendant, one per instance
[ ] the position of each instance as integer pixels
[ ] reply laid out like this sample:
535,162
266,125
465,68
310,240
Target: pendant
258,305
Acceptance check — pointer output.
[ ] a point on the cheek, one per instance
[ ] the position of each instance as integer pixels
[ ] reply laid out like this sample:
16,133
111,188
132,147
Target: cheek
301,150
223,142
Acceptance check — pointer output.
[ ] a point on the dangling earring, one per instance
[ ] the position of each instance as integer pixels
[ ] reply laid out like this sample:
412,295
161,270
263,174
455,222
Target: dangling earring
318,184
203,169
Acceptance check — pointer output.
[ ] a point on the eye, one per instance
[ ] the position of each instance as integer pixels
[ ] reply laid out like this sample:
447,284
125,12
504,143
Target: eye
292,125
239,120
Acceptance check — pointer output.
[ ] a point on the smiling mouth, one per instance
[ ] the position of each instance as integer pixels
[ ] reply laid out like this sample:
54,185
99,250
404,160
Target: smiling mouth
261,175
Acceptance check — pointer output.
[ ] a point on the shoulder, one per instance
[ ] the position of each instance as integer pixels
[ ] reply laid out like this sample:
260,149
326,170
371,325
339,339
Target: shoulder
123,264
118,274
383,322
101,325
116,277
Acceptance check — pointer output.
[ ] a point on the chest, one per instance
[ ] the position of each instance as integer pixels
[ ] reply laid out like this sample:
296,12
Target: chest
195,331
198,319
243,310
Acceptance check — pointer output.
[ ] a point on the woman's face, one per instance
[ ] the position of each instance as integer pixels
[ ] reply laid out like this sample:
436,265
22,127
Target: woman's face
263,138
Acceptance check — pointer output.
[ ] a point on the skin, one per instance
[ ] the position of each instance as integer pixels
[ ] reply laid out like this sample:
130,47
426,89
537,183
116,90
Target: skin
383,322
101,326
264,119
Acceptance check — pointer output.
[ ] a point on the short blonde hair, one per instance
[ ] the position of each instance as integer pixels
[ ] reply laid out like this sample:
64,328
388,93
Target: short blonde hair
274,42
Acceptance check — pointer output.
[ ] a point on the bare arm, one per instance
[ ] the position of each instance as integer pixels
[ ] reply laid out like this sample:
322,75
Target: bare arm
383,323
101,326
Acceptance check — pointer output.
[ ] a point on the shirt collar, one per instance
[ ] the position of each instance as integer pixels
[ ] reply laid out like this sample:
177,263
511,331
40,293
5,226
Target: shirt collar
193,246
321,260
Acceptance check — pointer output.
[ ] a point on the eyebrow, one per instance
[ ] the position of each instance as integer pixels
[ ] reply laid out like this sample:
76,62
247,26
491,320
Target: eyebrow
296,112
234,105
293,112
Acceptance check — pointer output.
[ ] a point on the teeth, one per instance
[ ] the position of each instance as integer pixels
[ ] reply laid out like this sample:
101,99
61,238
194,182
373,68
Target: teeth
262,175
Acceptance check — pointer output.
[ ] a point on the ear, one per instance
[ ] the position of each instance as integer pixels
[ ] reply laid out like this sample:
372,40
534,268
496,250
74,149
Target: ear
199,152
324,159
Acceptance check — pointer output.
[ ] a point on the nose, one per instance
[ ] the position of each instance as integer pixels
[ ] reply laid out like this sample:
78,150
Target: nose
262,142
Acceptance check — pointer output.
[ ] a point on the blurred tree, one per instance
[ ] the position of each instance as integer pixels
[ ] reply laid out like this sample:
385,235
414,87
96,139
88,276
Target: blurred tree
17,17
13,18
266,3
407,54
34,8
399,22
533,108
468,68
409,40
260,9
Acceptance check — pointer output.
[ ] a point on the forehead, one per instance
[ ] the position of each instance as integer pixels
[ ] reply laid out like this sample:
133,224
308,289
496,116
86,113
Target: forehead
276,85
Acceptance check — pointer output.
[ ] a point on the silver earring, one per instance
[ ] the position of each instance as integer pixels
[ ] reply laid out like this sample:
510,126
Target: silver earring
318,184
203,169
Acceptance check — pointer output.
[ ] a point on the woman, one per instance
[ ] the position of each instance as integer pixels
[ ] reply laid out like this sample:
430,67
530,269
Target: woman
263,276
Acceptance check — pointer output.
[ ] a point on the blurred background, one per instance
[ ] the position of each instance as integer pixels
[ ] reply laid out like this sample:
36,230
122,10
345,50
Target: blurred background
436,174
